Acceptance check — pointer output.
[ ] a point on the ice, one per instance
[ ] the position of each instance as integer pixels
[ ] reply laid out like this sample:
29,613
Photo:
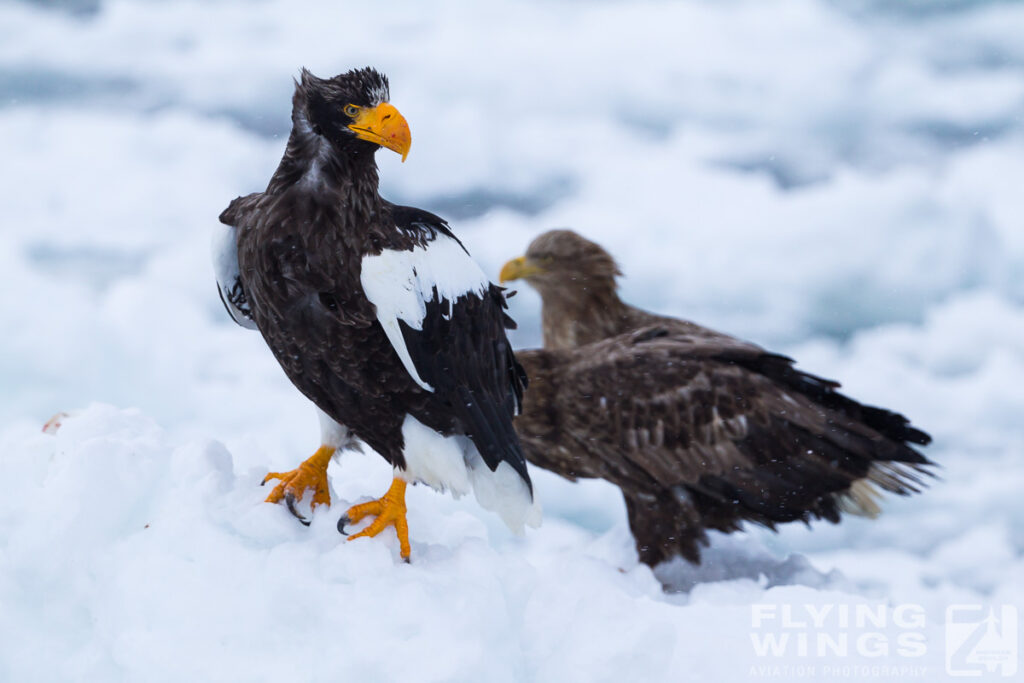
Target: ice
838,180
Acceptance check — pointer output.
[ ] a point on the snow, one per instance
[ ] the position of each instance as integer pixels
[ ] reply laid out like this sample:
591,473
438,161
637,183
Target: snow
838,180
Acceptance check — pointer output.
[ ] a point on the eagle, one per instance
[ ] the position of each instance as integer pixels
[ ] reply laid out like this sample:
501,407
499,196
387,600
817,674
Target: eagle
377,313
699,430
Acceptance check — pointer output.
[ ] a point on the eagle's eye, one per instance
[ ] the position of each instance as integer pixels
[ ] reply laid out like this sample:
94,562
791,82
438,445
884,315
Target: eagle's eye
351,111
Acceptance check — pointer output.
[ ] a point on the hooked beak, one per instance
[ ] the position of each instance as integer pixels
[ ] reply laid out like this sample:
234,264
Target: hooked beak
518,268
384,126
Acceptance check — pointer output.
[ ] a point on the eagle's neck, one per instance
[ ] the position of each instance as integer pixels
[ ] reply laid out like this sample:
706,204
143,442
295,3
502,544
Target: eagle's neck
314,170
581,314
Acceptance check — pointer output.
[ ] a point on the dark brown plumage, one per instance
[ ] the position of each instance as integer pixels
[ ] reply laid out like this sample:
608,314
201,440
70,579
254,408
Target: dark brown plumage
700,430
375,311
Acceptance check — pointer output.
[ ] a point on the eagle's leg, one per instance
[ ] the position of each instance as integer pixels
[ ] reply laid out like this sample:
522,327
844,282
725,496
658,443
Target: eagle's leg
311,474
389,510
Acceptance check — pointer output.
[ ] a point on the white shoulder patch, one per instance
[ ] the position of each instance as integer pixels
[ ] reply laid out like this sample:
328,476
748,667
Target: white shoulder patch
400,283
225,267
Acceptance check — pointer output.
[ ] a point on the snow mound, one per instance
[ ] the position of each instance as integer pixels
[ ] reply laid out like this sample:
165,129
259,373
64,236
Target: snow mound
142,559
139,558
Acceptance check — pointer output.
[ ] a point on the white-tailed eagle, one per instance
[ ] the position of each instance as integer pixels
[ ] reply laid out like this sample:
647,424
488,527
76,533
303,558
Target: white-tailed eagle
700,430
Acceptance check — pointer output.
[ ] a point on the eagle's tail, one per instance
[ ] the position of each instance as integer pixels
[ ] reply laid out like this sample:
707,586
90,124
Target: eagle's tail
497,468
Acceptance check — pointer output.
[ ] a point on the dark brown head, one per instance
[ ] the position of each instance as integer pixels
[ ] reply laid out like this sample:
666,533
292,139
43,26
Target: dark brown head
561,260
351,111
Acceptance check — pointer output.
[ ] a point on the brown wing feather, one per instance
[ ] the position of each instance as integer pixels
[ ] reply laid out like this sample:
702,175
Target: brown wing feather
703,431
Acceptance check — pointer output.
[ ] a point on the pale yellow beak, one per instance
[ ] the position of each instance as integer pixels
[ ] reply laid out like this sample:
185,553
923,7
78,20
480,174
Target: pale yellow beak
518,268
383,125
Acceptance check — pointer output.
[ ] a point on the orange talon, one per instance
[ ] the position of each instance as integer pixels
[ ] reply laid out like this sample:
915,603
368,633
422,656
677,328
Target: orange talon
389,510
311,474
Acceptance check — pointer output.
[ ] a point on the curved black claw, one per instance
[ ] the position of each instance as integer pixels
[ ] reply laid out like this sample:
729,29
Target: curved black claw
341,525
289,500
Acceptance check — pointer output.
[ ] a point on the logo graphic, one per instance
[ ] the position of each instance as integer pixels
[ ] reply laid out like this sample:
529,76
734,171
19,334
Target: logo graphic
981,640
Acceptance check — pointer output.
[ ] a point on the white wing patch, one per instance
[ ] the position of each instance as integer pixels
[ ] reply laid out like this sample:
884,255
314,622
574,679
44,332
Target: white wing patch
225,267
400,283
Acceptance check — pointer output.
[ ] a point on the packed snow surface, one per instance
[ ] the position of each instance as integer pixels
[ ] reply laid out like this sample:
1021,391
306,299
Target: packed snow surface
838,180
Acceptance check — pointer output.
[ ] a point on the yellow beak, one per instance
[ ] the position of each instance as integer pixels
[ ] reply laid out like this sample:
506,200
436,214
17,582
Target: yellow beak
518,268
383,125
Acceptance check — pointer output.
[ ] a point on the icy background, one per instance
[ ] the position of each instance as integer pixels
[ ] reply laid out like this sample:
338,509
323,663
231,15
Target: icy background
839,180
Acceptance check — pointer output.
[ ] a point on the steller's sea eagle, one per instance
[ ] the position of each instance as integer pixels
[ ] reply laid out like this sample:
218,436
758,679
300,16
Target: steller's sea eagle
698,429
377,313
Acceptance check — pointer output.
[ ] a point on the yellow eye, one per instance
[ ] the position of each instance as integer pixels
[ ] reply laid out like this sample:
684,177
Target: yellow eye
351,110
